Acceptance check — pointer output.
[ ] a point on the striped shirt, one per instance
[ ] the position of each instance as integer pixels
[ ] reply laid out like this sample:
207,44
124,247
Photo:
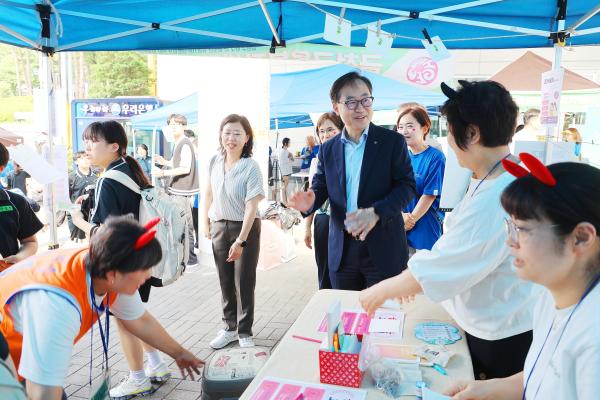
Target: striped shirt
232,189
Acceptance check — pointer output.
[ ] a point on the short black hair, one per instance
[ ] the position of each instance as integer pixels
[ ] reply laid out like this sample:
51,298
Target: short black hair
347,79
4,156
574,199
111,248
485,104
285,141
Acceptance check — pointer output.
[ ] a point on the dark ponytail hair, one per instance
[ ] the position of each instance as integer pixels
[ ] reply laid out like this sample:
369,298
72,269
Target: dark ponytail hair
111,248
113,132
574,199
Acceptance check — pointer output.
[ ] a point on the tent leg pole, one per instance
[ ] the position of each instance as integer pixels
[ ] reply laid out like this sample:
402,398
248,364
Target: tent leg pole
49,201
552,131
153,179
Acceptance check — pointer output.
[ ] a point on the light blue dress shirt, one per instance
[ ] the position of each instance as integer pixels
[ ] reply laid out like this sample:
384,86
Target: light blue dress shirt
353,156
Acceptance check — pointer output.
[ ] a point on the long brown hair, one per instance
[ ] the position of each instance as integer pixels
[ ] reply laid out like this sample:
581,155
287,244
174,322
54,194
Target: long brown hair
113,132
231,119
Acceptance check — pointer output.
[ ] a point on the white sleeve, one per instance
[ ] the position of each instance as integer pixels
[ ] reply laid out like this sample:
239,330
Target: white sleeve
586,363
464,255
50,324
186,158
128,307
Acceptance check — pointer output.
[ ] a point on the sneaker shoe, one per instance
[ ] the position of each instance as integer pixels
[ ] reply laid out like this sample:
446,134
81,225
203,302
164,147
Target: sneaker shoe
223,339
159,374
130,388
246,341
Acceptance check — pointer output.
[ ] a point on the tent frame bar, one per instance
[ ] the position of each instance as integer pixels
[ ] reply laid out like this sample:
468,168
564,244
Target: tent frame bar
269,21
583,19
169,25
428,15
432,15
20,37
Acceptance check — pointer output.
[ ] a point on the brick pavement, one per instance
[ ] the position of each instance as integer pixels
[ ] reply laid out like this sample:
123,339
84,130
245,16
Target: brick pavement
190,310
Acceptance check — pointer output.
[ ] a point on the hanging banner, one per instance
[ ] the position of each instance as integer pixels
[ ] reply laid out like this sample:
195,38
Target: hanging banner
412,66
552,82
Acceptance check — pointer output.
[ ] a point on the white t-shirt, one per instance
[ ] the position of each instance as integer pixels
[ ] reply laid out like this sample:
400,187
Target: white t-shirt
285,164
573,372
185,160
469,269
49,322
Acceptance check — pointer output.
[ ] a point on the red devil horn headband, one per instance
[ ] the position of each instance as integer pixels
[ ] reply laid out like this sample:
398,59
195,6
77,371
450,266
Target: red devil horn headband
536,168
148,235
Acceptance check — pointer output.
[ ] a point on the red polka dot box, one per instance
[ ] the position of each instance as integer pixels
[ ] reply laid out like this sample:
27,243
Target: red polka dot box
339,368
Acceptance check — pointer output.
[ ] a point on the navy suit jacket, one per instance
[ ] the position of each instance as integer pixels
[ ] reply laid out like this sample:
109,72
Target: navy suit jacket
386,183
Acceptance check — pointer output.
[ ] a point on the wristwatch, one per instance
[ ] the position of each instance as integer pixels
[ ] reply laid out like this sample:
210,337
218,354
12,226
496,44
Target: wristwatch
241,242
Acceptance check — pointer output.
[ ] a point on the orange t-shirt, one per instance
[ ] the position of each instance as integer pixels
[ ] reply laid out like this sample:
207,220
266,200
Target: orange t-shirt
57,269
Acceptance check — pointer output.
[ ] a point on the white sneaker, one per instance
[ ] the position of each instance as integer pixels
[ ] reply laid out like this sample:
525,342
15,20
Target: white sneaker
159,374
130,388
223,339
246,341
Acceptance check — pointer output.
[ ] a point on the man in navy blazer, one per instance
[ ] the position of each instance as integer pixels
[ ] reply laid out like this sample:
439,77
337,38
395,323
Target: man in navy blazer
366,173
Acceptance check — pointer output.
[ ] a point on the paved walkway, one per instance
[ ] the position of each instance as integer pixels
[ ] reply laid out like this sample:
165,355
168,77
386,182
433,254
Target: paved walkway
190,310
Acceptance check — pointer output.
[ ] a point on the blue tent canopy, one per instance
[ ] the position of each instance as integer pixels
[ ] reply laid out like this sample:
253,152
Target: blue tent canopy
84,25
294,121
295,94
308,91
188,107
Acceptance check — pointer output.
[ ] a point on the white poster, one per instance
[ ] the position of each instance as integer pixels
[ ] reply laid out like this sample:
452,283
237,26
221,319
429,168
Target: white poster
456,182
378,41
35,165
60,187
552,82
337,30
436,49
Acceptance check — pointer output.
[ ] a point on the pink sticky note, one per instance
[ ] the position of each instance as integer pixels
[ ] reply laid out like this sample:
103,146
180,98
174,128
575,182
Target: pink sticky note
313,393
362,325
288,392
265,391
348,319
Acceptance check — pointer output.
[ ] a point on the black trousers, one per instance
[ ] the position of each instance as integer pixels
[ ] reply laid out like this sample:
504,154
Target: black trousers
238,278
499,358
195,219
321,242
356,270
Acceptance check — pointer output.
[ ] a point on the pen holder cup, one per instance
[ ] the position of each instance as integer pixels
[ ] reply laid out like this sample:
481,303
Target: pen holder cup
339,369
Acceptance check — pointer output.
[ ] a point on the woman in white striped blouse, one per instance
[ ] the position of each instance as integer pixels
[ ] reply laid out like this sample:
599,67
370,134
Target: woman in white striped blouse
231,221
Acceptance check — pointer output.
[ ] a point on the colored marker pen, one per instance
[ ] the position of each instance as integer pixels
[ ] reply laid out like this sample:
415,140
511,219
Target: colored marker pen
439,369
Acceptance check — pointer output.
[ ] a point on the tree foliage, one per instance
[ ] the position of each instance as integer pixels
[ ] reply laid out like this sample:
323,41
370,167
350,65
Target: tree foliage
118,74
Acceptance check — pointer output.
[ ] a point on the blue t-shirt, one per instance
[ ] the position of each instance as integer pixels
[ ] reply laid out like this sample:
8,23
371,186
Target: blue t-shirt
428,167
310,154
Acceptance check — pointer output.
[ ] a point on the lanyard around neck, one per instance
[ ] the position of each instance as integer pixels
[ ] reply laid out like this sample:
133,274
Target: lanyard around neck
489,173
97,309
590,287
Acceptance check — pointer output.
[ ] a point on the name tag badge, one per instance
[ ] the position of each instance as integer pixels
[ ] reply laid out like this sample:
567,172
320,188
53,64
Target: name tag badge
101,386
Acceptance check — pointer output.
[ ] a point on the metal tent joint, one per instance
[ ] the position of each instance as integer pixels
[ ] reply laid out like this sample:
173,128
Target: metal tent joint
155,25
414,14
559,38
45,11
